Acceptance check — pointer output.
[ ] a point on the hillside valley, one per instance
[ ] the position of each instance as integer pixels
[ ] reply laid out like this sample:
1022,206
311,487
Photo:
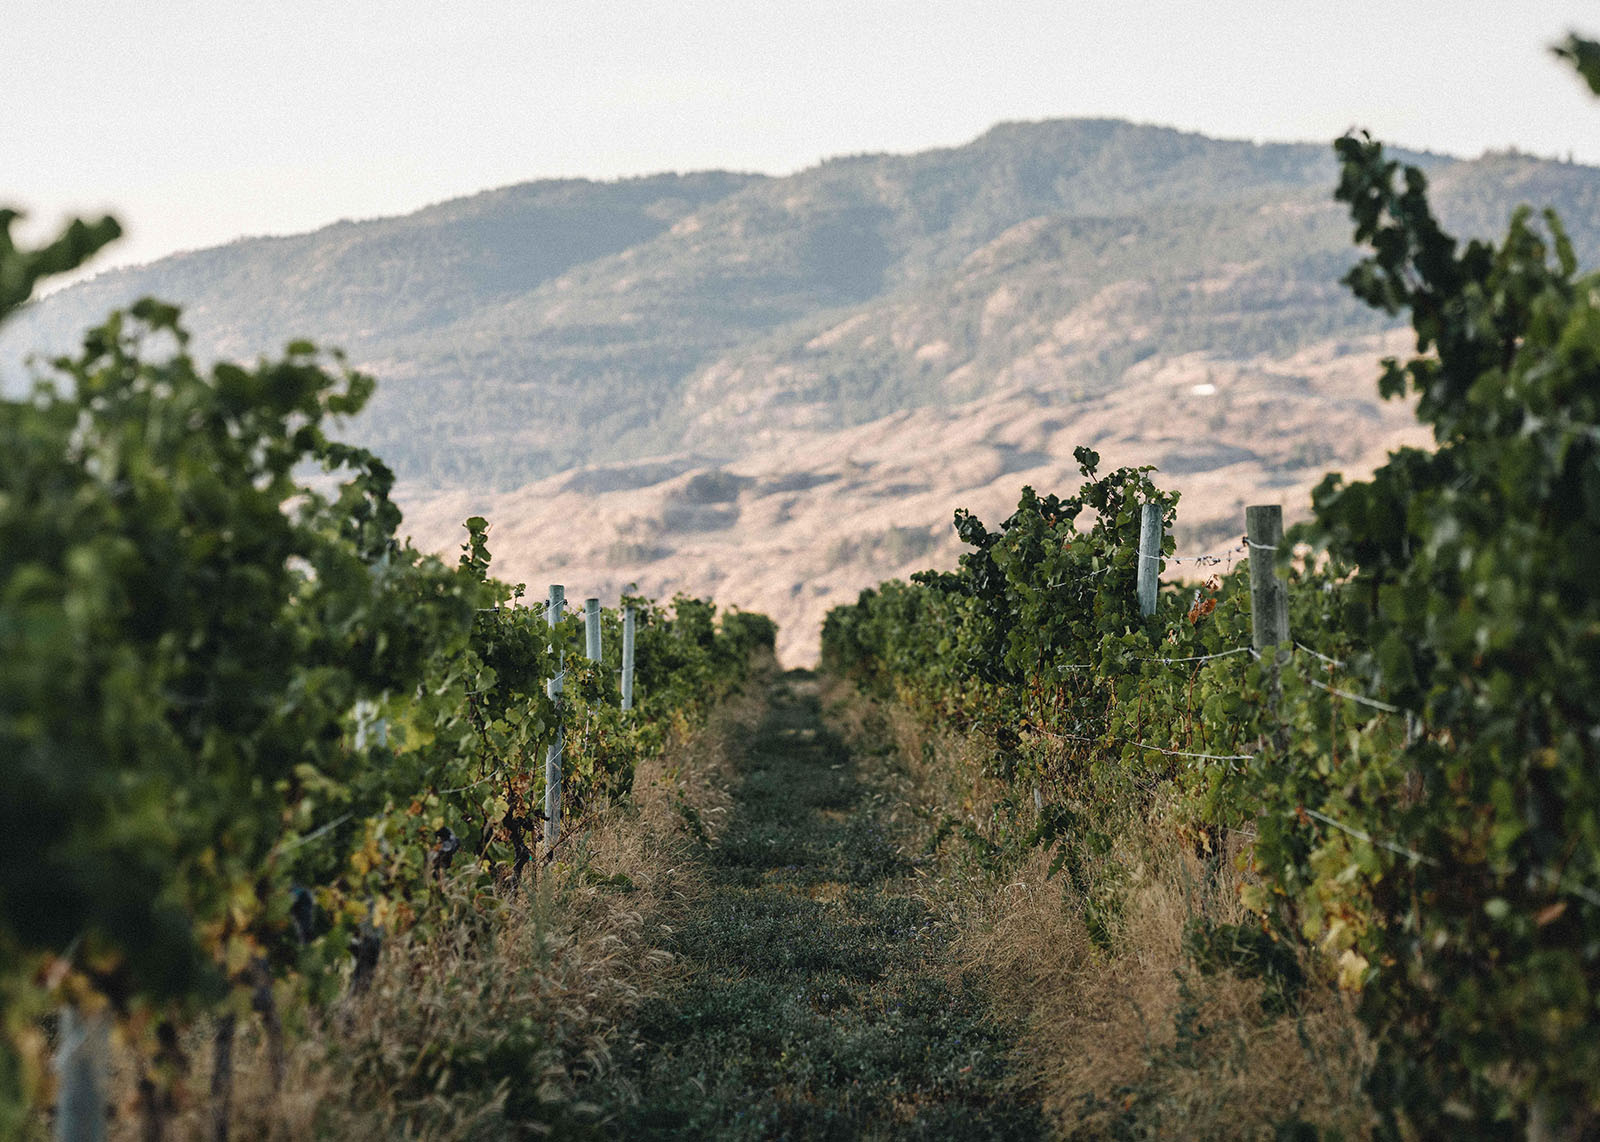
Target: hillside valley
776,390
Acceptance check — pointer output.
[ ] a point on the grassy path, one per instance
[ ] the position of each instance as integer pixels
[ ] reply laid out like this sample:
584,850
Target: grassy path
817,1001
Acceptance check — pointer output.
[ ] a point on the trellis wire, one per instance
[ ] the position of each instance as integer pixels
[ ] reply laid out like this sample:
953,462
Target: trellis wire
290,845
1363,835
1086,575
1161,661
1365,701
1145,745
1201,657
1210,559
1318,654
469,785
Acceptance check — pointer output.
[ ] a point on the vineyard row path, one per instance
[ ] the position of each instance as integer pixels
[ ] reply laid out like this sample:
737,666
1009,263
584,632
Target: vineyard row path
817,995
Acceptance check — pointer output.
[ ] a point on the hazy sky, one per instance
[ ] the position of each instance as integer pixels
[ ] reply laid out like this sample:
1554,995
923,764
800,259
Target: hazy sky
197,120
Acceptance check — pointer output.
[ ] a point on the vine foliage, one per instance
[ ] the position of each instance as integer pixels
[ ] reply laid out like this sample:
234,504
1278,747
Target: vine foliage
246,729
1419,781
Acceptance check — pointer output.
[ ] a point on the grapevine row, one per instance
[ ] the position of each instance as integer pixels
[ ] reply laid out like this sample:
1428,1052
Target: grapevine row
1409,787
246,729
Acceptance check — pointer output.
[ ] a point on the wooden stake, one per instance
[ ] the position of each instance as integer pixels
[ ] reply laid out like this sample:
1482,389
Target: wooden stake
630,621
591,621
222,1077
81,1074
265,1004
1269,596
1149,558
552,758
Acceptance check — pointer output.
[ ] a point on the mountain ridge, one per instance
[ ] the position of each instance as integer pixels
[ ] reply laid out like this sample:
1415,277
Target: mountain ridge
737,327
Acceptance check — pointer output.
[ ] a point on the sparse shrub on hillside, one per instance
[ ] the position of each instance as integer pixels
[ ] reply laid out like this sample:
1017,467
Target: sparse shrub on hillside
892,547
717,487
630,552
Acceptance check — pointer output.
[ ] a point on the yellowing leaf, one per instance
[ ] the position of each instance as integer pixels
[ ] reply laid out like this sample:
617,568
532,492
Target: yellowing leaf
1352,970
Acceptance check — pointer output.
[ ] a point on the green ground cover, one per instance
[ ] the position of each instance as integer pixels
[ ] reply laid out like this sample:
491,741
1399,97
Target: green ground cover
817,999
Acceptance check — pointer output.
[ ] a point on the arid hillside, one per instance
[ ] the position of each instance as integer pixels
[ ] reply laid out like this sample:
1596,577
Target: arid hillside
777,390
813,515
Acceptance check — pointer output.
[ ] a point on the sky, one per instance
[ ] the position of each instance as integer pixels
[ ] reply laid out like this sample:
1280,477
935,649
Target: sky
199,121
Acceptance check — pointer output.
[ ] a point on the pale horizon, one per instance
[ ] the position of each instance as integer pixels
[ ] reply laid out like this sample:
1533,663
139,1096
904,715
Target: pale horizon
197,127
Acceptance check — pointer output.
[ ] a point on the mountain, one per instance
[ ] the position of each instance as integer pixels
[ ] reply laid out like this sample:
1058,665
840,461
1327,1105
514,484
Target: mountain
777,388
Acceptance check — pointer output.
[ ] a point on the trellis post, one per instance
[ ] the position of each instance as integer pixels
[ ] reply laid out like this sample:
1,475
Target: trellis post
80,1076
1149,558
554,607
591,624
1269,595
630,622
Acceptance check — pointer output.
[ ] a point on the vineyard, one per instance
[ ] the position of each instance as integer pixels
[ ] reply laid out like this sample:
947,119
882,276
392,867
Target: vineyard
249,735
286,792
1401,780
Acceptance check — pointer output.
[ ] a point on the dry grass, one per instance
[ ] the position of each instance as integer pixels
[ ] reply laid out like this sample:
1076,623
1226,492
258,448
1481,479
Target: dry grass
1131,1036
1139,1041
500,1024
